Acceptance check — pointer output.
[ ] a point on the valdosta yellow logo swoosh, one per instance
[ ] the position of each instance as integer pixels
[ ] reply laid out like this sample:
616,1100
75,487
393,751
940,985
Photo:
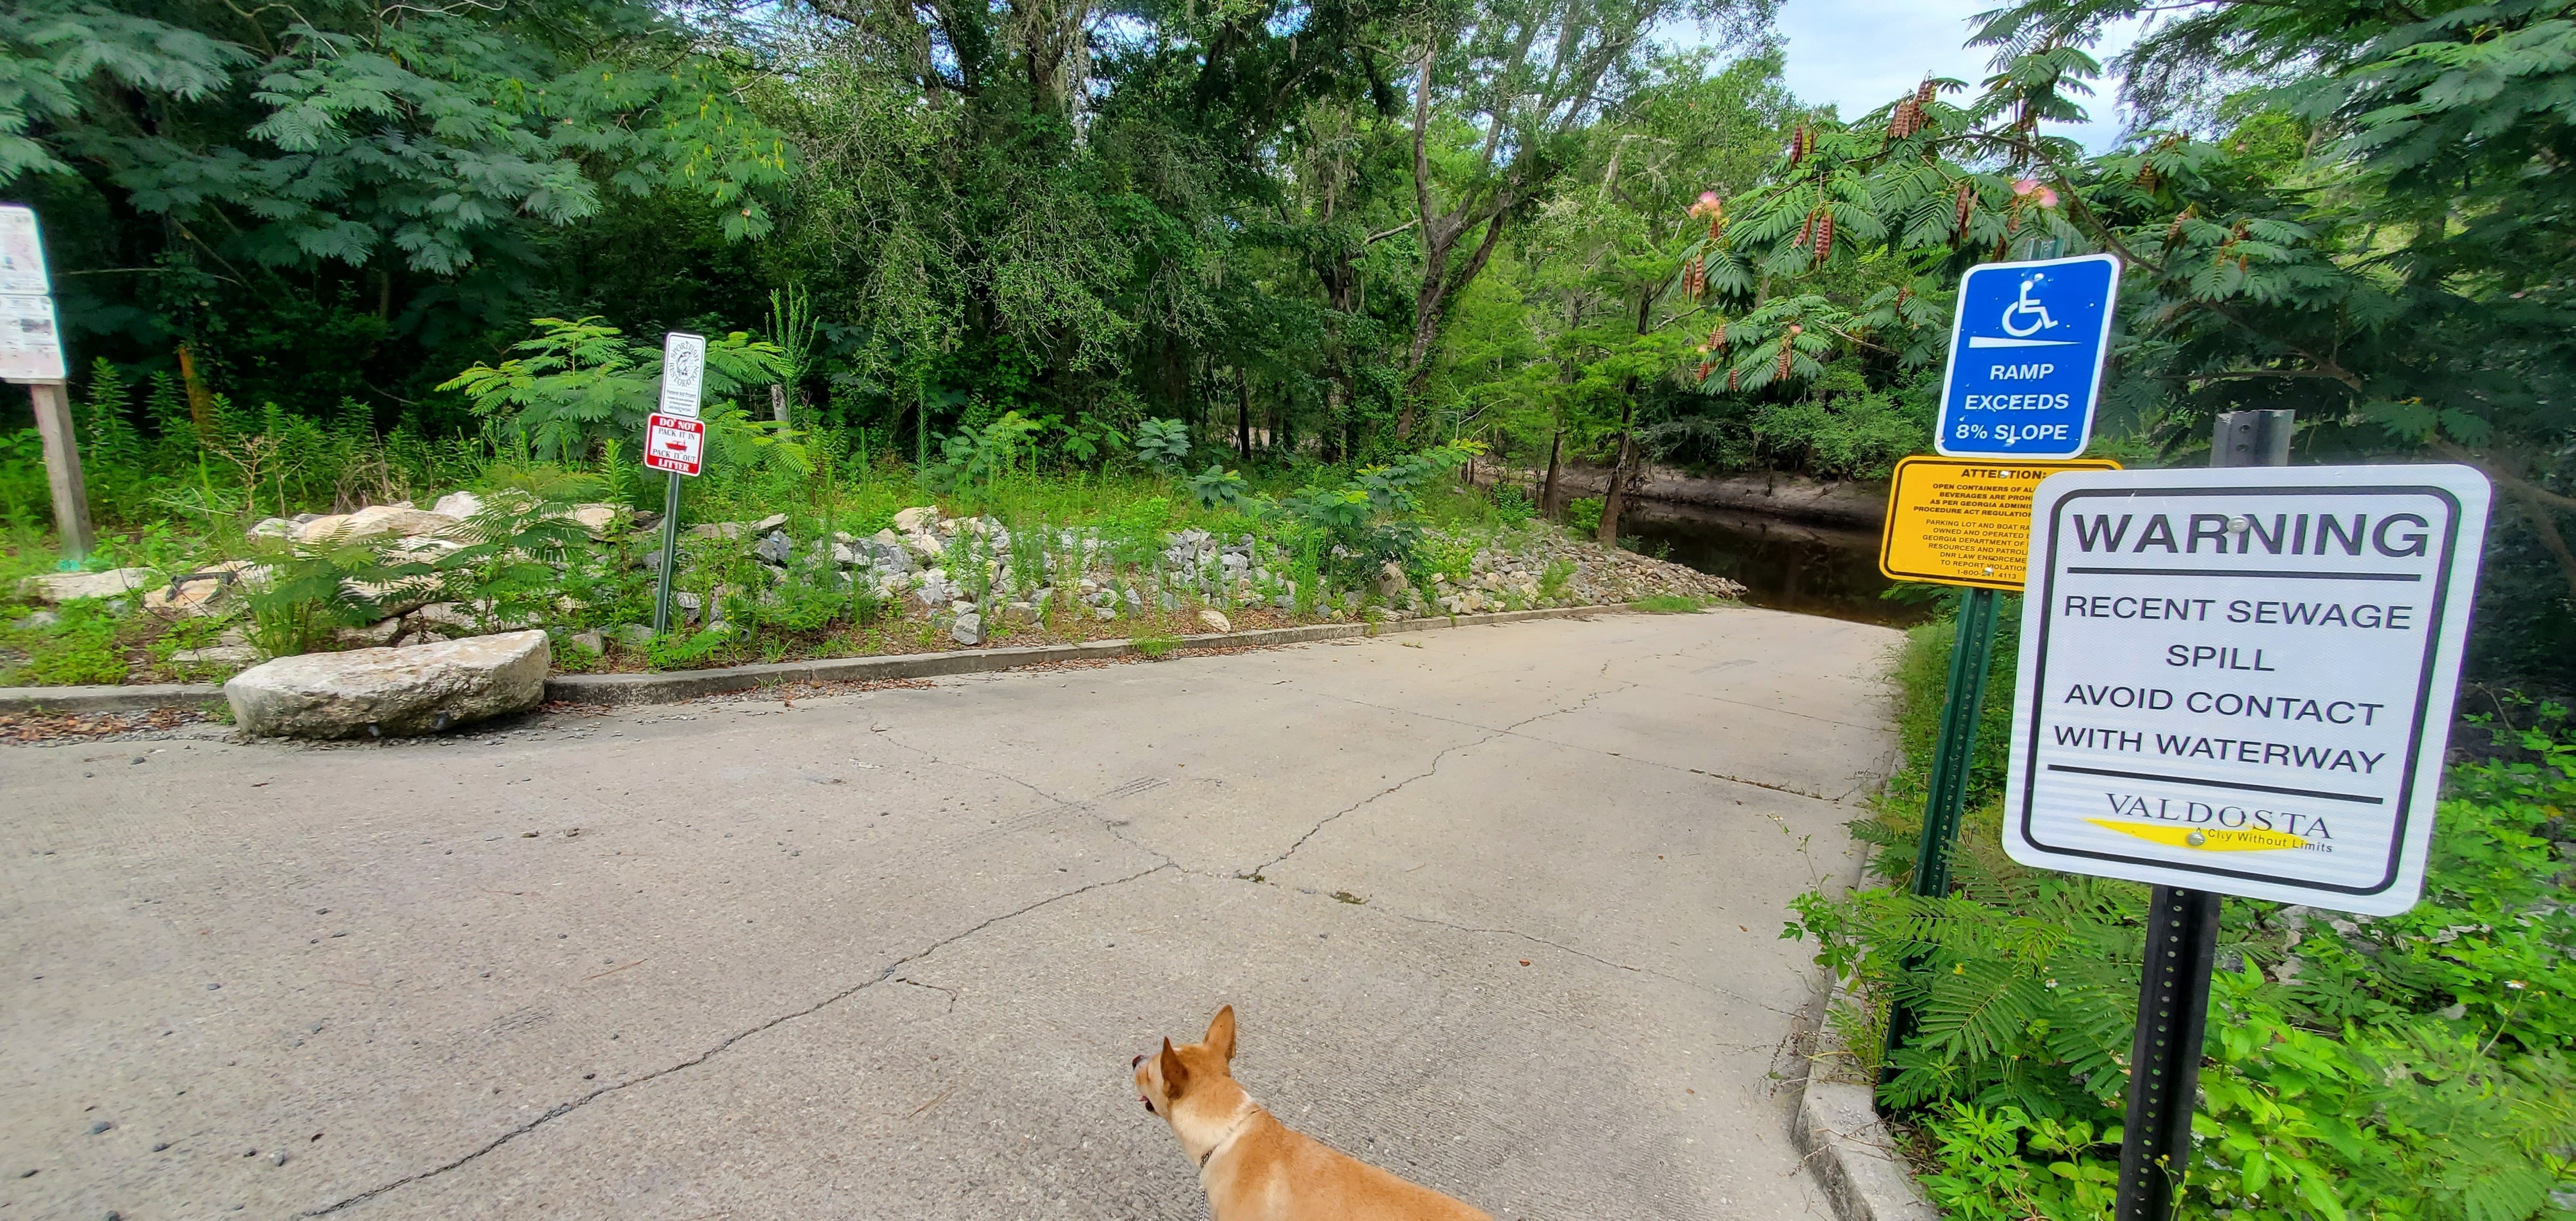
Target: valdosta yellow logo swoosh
2207,839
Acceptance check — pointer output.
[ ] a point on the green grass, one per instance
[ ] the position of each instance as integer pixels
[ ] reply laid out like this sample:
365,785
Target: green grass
81,648
1672,604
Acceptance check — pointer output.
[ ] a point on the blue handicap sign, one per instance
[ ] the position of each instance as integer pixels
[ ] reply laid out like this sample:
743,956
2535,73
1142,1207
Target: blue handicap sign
2026,355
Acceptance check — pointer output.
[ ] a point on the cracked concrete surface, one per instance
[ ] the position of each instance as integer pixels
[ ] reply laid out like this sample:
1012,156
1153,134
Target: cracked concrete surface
886,955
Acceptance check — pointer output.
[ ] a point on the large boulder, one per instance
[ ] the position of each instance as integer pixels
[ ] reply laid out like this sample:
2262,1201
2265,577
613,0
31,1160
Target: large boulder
596,518
459,505
372,521
422,688
73,586
916,519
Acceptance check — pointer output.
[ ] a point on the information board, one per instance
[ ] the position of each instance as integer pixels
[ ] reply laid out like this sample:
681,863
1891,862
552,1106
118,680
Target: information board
1964,521
31,343
22,253
31,338
2026,352
2241,680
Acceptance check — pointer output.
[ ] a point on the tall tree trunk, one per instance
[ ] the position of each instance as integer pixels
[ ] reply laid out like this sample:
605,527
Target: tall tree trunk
1441,232
1615,497
1243,412
1620,470
1327,450
778,402
1547,496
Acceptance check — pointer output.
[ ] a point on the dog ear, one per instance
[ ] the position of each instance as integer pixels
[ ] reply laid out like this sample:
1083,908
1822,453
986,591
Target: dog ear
1174,1075
1220,1035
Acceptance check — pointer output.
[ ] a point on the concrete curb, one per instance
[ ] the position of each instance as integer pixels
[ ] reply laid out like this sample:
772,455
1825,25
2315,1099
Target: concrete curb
1853,1157
1837,1132
107,699
690,684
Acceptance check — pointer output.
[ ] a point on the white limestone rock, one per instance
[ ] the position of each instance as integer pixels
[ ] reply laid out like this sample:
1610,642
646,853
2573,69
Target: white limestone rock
422,688
73,586
372,522
597,518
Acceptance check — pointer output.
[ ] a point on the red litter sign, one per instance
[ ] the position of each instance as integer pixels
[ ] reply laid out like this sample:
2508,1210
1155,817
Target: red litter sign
674,444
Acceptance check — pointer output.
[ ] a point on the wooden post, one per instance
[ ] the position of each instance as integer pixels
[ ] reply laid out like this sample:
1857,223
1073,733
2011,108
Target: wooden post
200,403
62,467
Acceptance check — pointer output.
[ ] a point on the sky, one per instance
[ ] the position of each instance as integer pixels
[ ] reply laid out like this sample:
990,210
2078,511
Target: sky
1862,54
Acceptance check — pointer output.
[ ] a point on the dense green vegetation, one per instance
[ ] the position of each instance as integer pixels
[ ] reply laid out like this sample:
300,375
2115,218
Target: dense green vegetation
1310,233
2415,1066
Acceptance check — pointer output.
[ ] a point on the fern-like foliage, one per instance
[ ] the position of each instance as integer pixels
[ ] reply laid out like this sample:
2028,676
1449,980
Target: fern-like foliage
2417,1066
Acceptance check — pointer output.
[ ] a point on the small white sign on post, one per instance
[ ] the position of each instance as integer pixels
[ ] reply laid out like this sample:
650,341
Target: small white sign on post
684,373
2241,679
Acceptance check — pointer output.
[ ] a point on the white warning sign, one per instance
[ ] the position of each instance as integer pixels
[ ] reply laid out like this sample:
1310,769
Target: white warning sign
2241,680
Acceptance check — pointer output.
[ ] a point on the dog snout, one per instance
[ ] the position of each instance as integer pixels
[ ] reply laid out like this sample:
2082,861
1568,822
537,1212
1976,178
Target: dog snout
1138,1060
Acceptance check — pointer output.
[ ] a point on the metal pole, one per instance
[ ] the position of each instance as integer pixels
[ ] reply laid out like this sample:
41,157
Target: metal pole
2164,1056
2181,952
1972,654
62,468
2252,438
670,552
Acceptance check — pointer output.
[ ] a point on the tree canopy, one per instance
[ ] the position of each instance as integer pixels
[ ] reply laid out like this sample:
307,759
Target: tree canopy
1328,230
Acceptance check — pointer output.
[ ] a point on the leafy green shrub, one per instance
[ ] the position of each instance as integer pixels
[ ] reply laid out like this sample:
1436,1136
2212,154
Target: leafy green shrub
678,649
979,456
314,588
1217,487
506,574
1163,444
1367,520
1512,507
1553,579
1584,516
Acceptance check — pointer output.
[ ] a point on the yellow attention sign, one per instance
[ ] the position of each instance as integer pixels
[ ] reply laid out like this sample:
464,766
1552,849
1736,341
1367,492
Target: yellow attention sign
1965,521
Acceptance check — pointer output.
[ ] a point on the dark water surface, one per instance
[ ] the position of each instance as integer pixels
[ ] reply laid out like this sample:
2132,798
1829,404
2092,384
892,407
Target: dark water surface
1806,567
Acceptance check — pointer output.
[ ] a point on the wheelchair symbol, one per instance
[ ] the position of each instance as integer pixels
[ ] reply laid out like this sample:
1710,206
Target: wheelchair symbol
2025,307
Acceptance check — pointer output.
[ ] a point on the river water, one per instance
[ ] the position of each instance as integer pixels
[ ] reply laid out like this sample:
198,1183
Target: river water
1810,568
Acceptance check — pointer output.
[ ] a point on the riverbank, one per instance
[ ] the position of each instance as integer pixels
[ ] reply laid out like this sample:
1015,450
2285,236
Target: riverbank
1852,505
1795,544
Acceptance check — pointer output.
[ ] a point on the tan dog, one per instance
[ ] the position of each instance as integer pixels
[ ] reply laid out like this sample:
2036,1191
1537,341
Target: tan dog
1253,1166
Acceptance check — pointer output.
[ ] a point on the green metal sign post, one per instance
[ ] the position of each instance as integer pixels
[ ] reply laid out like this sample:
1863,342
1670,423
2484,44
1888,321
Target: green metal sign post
670,554
1972,654
675,444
